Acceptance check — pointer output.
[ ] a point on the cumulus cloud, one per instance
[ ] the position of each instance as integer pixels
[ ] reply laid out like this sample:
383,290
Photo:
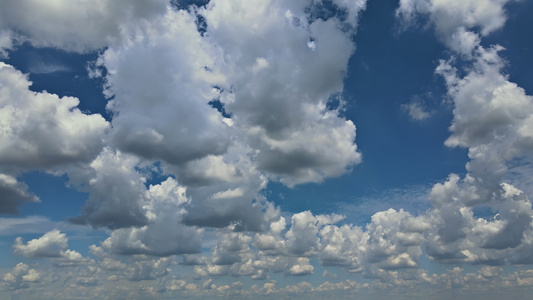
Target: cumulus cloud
492,118
164,234
162,92
41,130
448,16
162,75
243,100
52,244
278,99
392,241
225,190
149,269
491,115
75,25
20,277
117,191
144,220
288,130
301,267
302,237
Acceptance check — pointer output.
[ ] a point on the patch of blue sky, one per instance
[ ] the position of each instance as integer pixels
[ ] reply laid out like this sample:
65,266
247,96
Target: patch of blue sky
61,73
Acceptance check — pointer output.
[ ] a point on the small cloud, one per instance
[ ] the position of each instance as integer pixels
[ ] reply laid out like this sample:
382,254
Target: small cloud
329,275
311,45
39,64
44,68
417,110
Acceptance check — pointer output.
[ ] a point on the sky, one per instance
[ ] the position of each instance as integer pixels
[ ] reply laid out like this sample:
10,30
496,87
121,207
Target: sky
266,149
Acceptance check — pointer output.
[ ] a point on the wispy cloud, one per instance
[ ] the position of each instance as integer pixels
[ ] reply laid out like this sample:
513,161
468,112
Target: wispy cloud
30,224
417,110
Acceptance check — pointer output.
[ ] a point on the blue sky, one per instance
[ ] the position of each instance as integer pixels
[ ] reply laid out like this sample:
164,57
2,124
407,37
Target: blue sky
274,149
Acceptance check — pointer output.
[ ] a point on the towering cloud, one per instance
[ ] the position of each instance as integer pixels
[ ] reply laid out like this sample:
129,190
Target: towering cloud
278,99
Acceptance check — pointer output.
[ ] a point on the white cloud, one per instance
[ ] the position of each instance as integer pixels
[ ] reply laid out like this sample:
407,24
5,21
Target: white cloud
162,73
354,8
45,65
302,239
302,267
41,130
492,118
315,142
117,191
149,269
224,190
163,234
342,246
490,112
417,110
76,25
20,277
161,92
52,244
296,137
448,16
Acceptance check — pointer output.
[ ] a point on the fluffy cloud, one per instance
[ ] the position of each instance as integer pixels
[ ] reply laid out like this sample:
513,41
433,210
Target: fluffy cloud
21,276
244,98
149,269
225,190
301,267
392,241
278,98
295,136
447,16
117,191
41,130
492,116
52,244
75,25
145,220
161,92
417,110
162,103
302,239
342,246
164,234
